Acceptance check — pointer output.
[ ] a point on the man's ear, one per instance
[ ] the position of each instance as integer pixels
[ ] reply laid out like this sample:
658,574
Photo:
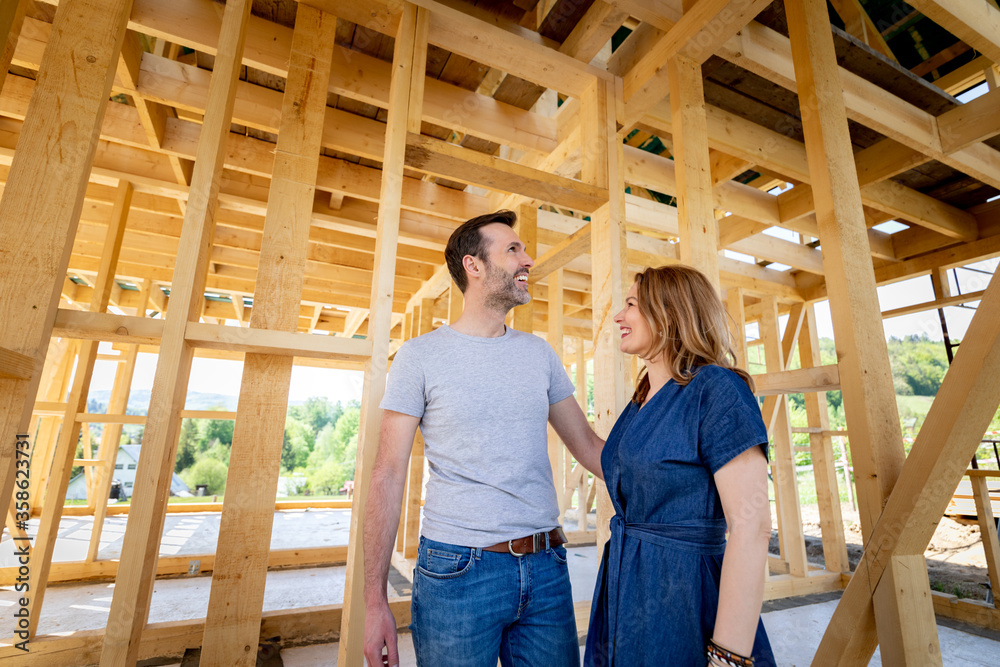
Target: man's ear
471,265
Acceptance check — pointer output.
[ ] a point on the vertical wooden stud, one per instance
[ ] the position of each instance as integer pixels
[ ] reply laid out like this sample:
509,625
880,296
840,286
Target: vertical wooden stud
379,325
140,547
785,483
527,230
699,230
46,184
821,447
603,166
236,600
62,460
869,397
904,591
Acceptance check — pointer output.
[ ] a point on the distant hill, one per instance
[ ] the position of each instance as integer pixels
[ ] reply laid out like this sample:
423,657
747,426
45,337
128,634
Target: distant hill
138,401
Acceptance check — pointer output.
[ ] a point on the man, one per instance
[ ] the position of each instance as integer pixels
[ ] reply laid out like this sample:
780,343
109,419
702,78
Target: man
491,578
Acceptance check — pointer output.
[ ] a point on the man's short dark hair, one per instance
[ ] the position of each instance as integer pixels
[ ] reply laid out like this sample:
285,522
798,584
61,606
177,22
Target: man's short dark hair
468,240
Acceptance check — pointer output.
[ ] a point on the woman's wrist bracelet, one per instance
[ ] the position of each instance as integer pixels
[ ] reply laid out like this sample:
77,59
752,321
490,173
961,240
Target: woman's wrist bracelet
718,655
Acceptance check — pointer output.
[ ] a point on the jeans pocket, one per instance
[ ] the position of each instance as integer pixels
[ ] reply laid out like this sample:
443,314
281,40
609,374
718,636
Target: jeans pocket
438,564
559,553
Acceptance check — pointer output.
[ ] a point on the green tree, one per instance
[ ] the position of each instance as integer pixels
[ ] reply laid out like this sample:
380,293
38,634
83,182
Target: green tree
316,413
338,444
295,446
328,479
187,446
207,471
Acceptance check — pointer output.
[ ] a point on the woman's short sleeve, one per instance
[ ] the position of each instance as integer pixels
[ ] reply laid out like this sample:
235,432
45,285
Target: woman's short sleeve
730,421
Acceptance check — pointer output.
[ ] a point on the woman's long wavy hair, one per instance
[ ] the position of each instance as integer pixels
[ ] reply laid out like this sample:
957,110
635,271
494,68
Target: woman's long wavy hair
688,323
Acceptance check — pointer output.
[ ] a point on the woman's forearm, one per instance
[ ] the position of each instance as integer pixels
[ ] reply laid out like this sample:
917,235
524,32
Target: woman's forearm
741,590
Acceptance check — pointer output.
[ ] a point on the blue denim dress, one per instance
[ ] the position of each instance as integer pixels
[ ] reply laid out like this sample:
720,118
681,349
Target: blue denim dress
657,590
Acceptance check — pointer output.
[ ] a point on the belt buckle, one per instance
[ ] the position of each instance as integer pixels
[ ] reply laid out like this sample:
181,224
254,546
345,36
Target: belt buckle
510,549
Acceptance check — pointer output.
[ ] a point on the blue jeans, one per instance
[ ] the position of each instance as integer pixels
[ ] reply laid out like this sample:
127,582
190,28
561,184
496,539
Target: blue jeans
471,606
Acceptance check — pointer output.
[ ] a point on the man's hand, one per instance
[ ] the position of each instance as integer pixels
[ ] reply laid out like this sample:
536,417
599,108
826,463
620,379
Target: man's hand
380,631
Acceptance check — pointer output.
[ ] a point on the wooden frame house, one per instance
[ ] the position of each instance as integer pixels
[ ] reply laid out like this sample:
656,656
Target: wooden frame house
274,181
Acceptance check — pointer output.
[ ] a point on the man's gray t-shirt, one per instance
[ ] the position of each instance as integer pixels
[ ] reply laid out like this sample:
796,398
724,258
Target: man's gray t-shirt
484,406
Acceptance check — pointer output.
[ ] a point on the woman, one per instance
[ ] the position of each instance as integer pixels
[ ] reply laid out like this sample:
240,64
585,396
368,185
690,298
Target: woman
686,460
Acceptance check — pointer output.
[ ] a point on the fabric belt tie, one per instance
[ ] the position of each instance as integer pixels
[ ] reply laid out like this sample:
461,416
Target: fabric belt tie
706,537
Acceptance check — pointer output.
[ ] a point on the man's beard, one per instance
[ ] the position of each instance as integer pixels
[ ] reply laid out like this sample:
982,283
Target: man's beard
502,292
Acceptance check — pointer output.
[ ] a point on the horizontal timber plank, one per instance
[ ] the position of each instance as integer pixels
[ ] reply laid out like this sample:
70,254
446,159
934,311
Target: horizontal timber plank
264,341
931,305
440,158
192,508
171,639
178,565
798,381
15,366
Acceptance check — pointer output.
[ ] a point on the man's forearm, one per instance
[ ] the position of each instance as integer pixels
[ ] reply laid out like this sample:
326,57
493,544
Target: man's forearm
385,498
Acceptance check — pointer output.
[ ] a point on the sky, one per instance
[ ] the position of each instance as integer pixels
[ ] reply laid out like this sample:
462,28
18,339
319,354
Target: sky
223,376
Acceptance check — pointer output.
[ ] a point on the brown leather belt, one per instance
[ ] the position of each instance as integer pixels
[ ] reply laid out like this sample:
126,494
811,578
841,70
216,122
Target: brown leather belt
531,544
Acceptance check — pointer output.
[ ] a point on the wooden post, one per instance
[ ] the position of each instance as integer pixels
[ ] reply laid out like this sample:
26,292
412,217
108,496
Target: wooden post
869,398
45,185
821,447
140,546
699,230
555,338
415,479
904,592
527,229
734,304
603,166
950,435
379,323
111,435
785,483
65,451
11,19
232,626
988,531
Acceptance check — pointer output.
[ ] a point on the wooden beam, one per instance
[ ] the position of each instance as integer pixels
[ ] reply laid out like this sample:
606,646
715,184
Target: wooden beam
975,22
133,585
237,595
821,448
904,591
699,231
173,638
786,490
802,380
527,230
439,158
46,185
555,337
380,325
705,26
11,19
603,166
15,366
62,461
858,24
561,254
970,123
520,52
960,414
876,439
